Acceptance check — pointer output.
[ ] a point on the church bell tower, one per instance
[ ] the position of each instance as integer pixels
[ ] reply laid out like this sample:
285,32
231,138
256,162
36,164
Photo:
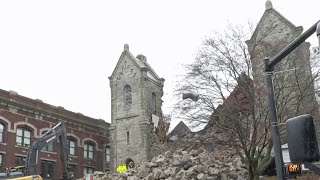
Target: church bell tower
136,92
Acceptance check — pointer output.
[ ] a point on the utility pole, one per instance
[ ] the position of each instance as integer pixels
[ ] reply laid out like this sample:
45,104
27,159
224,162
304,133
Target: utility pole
269,65
274,122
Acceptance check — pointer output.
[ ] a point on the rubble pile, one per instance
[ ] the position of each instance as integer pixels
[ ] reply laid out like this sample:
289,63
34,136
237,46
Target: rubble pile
192,157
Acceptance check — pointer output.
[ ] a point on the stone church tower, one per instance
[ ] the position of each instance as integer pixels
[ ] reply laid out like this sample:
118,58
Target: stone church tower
136,92
294,88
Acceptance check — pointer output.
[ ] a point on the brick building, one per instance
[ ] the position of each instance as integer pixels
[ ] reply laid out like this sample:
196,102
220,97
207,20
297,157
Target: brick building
22,120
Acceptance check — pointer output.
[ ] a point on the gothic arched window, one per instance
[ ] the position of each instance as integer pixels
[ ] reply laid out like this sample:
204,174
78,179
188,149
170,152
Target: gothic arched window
153,102
127,96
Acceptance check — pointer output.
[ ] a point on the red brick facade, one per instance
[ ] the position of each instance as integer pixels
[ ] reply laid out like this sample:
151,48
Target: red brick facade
36,117
240,100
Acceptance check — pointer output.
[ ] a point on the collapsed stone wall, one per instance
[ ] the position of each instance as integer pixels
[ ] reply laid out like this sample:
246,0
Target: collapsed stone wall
192,157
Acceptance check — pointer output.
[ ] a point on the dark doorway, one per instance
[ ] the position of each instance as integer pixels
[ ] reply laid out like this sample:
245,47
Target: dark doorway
130,164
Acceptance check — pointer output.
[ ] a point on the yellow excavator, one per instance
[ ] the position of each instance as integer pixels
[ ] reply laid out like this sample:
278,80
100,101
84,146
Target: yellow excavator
29,171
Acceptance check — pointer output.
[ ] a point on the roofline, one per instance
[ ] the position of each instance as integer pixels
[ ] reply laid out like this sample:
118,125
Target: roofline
39,106
270,10
121,56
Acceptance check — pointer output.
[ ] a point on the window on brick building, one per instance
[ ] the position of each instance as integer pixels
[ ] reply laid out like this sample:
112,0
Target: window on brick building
50,147
107,154
71,147
73,169
88,150
23,137
20,161
47,169
88,170
2,131
127,96
1,160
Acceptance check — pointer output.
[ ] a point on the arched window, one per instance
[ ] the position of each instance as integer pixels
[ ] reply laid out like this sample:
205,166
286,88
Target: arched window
127,96
88,150
153,103
23,137
129,163
2,131
72,146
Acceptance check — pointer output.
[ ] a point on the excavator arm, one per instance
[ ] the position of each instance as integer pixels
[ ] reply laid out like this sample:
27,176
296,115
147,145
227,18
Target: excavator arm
57,132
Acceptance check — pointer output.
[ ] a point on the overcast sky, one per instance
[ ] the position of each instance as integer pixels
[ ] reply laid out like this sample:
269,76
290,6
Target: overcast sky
63,51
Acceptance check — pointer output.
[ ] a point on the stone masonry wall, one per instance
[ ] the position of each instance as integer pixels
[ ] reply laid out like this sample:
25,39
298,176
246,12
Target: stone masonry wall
134,122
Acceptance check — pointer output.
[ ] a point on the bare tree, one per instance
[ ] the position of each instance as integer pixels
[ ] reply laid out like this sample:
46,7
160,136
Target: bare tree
163,128
231,94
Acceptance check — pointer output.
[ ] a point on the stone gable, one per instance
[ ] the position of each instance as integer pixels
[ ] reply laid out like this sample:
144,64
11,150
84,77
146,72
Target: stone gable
292,76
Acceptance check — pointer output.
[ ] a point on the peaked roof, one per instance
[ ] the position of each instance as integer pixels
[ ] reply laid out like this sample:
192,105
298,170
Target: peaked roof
243,81
180,129
270,10
139,63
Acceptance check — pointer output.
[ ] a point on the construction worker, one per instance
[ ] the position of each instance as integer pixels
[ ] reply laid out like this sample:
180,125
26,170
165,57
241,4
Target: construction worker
122,168
119,169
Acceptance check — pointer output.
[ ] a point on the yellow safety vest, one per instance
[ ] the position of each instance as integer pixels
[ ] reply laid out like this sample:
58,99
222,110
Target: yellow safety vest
122,168
119,169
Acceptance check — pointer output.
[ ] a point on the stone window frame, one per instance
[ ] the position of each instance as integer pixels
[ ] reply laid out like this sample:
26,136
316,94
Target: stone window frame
88,150
72,139
24,130
127,96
